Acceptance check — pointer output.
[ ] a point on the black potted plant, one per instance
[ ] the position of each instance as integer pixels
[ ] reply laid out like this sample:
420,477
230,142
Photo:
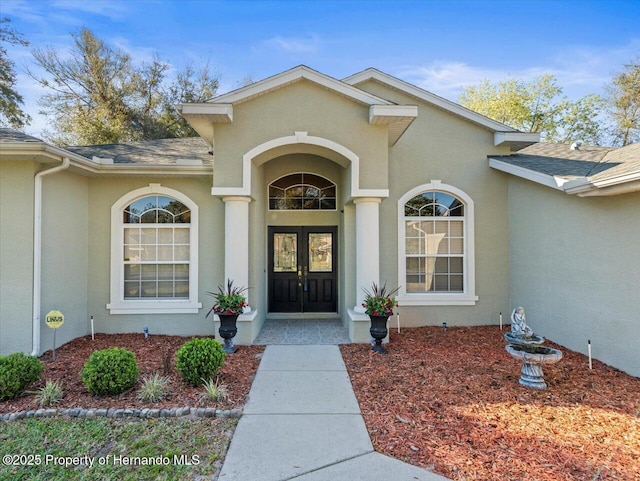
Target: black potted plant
230,303
379,304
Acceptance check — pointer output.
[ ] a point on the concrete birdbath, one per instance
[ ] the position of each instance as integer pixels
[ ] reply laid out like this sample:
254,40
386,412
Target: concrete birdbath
524,345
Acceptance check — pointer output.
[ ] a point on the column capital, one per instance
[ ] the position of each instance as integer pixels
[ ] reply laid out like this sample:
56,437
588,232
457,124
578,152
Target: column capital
360,200
237,198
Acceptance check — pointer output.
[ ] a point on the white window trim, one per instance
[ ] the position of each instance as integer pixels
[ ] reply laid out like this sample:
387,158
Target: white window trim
120,305
468,296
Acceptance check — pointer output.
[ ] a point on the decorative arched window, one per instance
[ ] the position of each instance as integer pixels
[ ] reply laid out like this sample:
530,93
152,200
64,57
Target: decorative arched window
436,246
154,252
302,192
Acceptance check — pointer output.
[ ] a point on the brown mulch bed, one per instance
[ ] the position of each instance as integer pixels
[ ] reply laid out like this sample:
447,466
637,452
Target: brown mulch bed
450,401
237,374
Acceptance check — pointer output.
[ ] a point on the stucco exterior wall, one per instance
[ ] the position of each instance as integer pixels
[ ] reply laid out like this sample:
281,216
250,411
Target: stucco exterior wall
441,146
16,256
103,193
301,107
575,268
65,254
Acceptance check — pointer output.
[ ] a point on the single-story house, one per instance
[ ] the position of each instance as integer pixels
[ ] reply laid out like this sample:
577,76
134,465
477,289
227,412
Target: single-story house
307,189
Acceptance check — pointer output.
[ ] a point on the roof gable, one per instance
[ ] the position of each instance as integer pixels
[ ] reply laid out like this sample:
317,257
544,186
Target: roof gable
503,134
202,116
297,74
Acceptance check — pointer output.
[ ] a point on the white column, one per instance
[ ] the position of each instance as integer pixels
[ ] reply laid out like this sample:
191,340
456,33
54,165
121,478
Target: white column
236,241
367,246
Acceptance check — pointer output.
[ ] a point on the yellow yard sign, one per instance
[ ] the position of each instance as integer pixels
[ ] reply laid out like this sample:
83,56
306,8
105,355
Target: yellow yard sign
54,319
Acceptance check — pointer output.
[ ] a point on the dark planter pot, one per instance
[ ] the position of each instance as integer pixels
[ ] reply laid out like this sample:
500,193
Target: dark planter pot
379,331
228,331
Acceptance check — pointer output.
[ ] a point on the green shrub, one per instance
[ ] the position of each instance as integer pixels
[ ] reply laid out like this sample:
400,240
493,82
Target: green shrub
18,371
199,359
110,371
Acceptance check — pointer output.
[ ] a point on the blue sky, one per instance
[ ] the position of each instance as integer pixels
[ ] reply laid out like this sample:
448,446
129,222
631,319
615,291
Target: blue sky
442,46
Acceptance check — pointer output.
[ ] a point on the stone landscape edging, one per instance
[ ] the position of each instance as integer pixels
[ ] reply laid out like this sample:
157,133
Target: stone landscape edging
145,413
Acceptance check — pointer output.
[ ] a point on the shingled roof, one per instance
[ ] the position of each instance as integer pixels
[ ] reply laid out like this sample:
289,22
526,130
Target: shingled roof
149,152
592,165
12,135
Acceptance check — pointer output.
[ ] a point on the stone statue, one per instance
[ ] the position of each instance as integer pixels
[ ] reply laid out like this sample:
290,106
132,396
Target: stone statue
518,323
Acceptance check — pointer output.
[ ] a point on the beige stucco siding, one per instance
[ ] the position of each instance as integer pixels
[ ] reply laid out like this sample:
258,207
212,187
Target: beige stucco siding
575,267
16,256
65,253
103,193
442,146
301,107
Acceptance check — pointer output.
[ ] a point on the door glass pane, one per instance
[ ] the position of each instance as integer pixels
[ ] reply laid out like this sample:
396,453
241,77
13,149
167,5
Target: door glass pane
285,252
320,252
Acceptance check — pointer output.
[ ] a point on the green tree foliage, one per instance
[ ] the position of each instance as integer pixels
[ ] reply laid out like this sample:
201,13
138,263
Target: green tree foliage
11,112
537,106
623,104
98,95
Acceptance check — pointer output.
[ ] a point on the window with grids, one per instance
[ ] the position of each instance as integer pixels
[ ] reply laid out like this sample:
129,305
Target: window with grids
156,248
302,192
434,243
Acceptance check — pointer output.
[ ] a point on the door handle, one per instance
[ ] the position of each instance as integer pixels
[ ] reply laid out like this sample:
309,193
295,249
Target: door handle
306,284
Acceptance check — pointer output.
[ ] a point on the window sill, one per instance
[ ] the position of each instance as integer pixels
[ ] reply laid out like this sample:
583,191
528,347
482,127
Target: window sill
436,300
154,307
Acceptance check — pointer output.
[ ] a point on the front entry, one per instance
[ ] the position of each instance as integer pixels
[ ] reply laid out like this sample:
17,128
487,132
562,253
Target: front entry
303,269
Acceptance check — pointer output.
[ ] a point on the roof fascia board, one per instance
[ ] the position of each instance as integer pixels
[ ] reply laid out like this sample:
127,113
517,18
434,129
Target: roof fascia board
165,170
390,111
528,174
442,103
621,184
47,150
516,139
94,167
298,73
218,112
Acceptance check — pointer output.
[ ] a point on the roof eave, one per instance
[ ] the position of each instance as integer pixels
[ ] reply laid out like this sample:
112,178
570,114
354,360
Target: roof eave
585,187
43,152
515,140
202,116
397,118
417,92
547,180
582,187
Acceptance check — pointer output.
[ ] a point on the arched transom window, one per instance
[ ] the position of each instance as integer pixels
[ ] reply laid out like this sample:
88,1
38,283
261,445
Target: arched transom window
436,246
302,192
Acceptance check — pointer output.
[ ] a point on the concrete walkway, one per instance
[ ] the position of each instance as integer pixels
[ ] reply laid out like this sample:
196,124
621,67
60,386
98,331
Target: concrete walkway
302,422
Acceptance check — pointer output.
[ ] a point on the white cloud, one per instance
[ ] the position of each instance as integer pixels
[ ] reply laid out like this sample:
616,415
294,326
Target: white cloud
110,9
295,44
137,53
578,70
